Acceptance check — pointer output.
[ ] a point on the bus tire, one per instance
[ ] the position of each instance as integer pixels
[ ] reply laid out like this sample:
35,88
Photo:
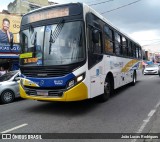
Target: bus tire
133,83
108,90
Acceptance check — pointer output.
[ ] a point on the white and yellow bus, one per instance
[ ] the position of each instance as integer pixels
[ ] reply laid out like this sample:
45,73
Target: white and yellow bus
72,53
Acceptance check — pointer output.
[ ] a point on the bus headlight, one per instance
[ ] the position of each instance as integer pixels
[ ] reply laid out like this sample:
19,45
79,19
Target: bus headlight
76,80
80,78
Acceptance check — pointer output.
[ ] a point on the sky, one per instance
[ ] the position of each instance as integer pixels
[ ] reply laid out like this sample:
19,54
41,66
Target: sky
140,20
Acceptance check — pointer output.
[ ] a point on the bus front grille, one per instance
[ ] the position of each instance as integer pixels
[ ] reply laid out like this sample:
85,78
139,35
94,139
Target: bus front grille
32,92
45,73
42,72
49,71
56,93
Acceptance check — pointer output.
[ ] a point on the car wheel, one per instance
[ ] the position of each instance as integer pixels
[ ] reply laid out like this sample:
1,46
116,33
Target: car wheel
7,97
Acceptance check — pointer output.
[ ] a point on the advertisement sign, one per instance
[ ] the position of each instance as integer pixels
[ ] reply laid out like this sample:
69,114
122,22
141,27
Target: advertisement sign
5,48
12,24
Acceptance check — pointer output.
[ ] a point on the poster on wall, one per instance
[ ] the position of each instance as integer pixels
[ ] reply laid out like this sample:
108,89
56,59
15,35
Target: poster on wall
9,31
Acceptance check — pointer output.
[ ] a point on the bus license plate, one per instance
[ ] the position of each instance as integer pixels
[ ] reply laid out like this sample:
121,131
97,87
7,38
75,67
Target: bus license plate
42,93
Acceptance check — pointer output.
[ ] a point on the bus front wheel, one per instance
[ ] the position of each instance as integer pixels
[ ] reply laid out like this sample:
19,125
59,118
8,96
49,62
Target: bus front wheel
108,90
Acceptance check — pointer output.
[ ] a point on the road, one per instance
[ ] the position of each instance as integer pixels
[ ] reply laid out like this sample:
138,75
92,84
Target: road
125,112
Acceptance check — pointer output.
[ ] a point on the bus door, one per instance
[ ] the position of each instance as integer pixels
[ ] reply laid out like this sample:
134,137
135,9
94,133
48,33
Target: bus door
95,57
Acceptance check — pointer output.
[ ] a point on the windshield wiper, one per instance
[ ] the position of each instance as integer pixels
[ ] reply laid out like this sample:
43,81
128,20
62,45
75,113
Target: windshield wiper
33,38
54,34
35,42
79,42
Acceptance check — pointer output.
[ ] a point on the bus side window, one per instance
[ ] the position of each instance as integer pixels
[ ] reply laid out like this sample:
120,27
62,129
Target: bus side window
130,49
94,41
125,47
134,50
117,44
140,52
137,52
108,40
97,47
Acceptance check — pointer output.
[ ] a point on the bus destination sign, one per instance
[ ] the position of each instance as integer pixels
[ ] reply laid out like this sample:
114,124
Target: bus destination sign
48,14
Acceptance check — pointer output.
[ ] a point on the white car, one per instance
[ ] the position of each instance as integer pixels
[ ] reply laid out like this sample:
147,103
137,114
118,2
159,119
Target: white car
152,69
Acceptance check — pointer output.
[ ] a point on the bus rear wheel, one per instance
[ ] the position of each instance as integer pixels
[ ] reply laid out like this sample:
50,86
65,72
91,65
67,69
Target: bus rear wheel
108,90
134,79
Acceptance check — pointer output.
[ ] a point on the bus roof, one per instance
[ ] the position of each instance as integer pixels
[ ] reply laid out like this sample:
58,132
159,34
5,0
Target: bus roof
91,10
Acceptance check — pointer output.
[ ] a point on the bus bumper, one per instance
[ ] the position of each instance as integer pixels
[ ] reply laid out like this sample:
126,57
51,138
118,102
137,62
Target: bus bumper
77,93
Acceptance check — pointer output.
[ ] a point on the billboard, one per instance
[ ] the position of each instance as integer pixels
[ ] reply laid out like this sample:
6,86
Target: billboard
9,28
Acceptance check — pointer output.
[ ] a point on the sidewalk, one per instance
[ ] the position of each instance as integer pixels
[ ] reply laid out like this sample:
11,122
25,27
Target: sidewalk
155,127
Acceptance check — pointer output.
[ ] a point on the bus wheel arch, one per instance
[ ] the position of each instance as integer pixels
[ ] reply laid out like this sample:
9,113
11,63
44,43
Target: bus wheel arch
108,88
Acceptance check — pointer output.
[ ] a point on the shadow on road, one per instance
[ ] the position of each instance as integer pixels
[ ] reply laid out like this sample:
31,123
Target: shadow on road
123,88
72,108
64,108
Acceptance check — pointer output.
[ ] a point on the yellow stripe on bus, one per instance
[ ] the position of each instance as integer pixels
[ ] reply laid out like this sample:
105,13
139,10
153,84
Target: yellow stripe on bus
127,67
26,55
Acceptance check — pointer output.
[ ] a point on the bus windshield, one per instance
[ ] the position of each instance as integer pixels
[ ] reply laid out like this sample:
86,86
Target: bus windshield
56,44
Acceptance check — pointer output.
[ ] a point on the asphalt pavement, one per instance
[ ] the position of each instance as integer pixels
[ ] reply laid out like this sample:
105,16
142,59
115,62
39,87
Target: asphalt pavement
133,109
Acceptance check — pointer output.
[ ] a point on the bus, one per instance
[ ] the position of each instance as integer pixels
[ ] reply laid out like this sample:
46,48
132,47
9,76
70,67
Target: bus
71,53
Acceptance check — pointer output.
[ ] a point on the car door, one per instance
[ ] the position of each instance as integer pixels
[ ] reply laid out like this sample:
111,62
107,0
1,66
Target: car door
15,84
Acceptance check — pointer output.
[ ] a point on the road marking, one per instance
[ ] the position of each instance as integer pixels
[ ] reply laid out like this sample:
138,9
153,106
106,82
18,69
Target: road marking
17,127
158,104
146,121
151,113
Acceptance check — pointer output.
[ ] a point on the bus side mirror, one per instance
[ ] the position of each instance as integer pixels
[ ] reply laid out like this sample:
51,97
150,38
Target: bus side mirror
95,36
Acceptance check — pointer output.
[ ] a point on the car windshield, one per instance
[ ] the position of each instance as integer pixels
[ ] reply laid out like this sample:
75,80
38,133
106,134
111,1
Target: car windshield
7,76
153,65
56,44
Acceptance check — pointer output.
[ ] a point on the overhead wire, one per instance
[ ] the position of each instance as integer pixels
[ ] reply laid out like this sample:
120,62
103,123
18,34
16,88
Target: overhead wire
100,3
121,7
91,1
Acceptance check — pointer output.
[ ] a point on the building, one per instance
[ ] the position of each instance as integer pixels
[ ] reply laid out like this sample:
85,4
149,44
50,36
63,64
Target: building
9,57
24,6
157,57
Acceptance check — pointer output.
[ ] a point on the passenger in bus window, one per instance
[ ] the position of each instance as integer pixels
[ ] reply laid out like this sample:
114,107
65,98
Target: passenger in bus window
108,40
5,35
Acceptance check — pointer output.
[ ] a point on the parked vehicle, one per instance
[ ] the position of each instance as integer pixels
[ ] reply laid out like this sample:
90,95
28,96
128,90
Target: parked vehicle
9,86
152,69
